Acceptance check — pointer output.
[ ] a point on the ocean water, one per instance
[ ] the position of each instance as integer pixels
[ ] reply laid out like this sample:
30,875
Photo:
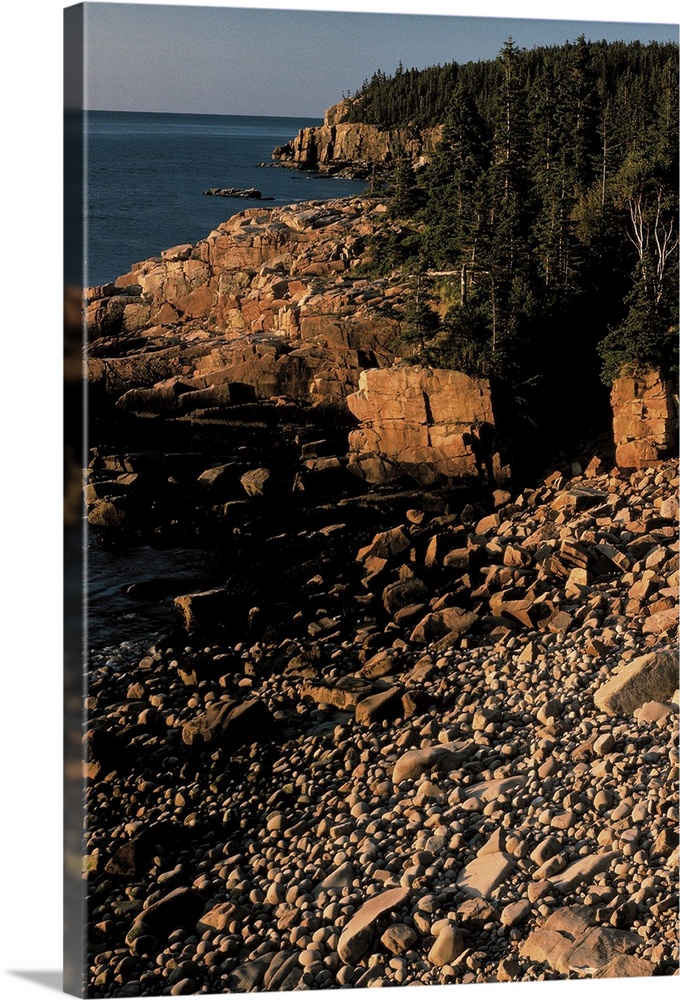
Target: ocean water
113,615
146,174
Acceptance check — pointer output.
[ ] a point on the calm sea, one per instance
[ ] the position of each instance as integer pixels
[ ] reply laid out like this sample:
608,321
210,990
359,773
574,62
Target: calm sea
146,174
145,178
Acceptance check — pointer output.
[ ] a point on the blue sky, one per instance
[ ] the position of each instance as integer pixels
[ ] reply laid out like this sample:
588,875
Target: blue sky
231,60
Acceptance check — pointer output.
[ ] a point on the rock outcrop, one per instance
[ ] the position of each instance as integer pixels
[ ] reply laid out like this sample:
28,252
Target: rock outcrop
271,307
431,424
645,420
231,192
353,148
268,304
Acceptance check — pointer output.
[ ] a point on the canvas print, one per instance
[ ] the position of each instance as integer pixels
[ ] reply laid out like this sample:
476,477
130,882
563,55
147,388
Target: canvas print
372,498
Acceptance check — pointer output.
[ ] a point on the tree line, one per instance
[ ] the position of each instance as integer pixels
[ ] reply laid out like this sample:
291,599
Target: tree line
544,230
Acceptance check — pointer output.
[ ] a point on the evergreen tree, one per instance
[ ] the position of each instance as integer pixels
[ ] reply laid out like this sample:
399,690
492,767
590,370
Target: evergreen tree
455,182
550,206
508,257
405,195
419,323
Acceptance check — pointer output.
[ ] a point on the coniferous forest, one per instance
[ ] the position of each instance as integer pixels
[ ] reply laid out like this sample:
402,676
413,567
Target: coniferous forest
542,236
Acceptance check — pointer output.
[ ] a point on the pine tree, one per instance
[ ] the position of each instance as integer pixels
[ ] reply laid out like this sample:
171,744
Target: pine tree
455,187
550,203
405,194
508,257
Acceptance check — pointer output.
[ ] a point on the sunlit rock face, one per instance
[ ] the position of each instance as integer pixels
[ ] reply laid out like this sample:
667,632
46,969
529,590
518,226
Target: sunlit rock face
645,420
432,424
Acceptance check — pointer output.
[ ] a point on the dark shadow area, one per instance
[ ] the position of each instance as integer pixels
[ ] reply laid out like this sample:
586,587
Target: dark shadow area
73,414
50,980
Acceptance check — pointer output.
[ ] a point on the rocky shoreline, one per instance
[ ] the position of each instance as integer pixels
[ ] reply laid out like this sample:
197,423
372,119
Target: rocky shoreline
354,149
455,761
423,728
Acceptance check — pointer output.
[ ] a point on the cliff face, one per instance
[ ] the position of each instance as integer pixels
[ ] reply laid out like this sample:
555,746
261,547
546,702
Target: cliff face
645,421
271,305
353,148
430,424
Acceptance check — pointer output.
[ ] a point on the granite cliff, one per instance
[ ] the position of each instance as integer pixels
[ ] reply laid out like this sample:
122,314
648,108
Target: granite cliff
355,149
268,304
274,306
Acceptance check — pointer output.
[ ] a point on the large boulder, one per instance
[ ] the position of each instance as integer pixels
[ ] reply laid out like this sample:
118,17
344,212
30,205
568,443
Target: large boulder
356,938
430,424
442,757
571,942
440,624
181,908
385,704
448,945
230,726
652,677
482,877
204,610
645,420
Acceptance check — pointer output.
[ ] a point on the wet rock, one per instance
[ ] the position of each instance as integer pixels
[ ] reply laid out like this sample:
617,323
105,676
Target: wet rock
204,610
219,192
108,513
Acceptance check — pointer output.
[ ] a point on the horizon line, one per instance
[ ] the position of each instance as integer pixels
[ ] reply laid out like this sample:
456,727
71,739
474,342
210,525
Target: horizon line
197,114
